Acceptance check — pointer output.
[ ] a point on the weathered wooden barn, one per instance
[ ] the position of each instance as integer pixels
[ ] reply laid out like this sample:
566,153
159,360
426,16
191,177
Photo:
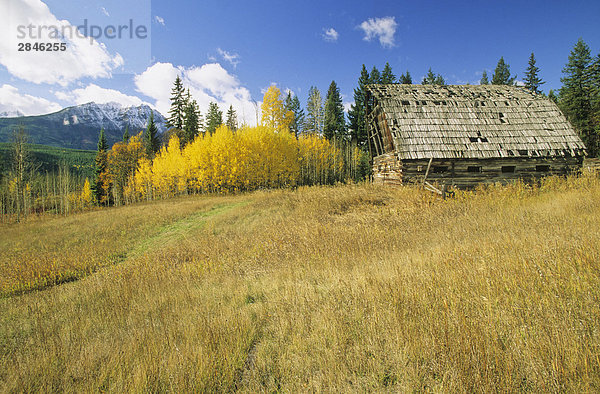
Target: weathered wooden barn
463,135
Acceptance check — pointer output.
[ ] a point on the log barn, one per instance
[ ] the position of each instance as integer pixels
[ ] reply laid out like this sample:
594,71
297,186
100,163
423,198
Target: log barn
463,135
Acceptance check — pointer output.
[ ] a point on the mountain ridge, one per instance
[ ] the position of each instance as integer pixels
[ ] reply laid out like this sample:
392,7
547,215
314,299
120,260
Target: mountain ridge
78,126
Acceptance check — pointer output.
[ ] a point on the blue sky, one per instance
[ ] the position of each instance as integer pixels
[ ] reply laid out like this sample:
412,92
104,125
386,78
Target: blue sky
231,51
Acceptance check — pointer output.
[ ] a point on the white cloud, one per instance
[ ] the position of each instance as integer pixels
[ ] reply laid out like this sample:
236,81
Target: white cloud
31,21
159,20
104,11
330,35
347,106
11,101
99,95
209,82
380,28
232,58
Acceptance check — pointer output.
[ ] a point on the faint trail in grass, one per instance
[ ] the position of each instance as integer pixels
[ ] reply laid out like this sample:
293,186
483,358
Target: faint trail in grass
165,235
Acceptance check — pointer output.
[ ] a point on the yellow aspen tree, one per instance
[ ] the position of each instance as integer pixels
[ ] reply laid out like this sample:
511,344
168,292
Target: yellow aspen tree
274,114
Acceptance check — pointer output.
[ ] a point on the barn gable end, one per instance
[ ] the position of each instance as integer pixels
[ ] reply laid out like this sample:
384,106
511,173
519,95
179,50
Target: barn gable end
465,135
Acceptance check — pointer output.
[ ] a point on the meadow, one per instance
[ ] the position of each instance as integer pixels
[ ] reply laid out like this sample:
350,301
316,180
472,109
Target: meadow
353,287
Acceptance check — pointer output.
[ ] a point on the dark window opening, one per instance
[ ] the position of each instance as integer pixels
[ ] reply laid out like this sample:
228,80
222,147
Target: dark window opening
478,139
444,103
508,169
440,169
483,103
542,168
404,102
501,117
510,152
507,103
523,152
474,169
436,102
424,102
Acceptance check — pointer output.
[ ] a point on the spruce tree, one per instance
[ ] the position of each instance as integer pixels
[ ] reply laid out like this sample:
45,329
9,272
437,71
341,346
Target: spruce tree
334,124
151,141
576,95
214,117
375,76
387,76
484,79
406,79
432,79
501,74
232,122
126,134
314,112
100,170
293,104
532,79
193,122
178,101
356,115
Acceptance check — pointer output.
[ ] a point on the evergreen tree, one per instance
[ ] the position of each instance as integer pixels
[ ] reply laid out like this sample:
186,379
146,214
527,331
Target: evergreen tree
151,141
375,76
314,112
334,124
532,80
193,121
356,115
232,122
552,96
387,76
178,101
406,79
99,187
576,95
293,104
501,74
214,117
484,79
432,79
126,134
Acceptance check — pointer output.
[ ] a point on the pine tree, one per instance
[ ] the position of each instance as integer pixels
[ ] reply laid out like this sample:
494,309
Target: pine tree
151,141
214,117
576,95
406,78
99,187
484,79
501,74
126,134
232,122
532,80
387,76
334,123
314,112
193,122
552,96
176,113
432,79
293,104
375,76
356,115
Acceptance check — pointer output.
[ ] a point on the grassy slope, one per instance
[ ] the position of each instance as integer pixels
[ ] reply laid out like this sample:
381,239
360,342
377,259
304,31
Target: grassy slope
346,288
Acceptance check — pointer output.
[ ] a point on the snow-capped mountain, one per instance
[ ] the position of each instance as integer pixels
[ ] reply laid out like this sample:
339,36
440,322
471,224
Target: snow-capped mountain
79,126
11,114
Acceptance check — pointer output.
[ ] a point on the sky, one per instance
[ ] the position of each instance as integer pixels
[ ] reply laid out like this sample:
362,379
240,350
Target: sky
230,52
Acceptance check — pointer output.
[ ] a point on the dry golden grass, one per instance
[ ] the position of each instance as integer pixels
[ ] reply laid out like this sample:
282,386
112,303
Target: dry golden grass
347,288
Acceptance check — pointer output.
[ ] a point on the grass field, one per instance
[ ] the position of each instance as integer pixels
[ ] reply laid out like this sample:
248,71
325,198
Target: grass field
346,288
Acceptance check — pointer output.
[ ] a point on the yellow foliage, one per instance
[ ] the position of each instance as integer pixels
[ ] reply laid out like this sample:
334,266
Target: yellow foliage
274,114
86,194
249,159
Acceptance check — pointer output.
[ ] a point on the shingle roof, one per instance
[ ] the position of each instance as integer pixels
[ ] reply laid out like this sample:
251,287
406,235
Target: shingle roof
482,121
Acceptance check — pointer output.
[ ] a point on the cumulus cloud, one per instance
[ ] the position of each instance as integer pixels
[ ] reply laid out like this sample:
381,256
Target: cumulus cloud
31,21
207,83
12,101
232,58
159,20
330,35
381,28
99,95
